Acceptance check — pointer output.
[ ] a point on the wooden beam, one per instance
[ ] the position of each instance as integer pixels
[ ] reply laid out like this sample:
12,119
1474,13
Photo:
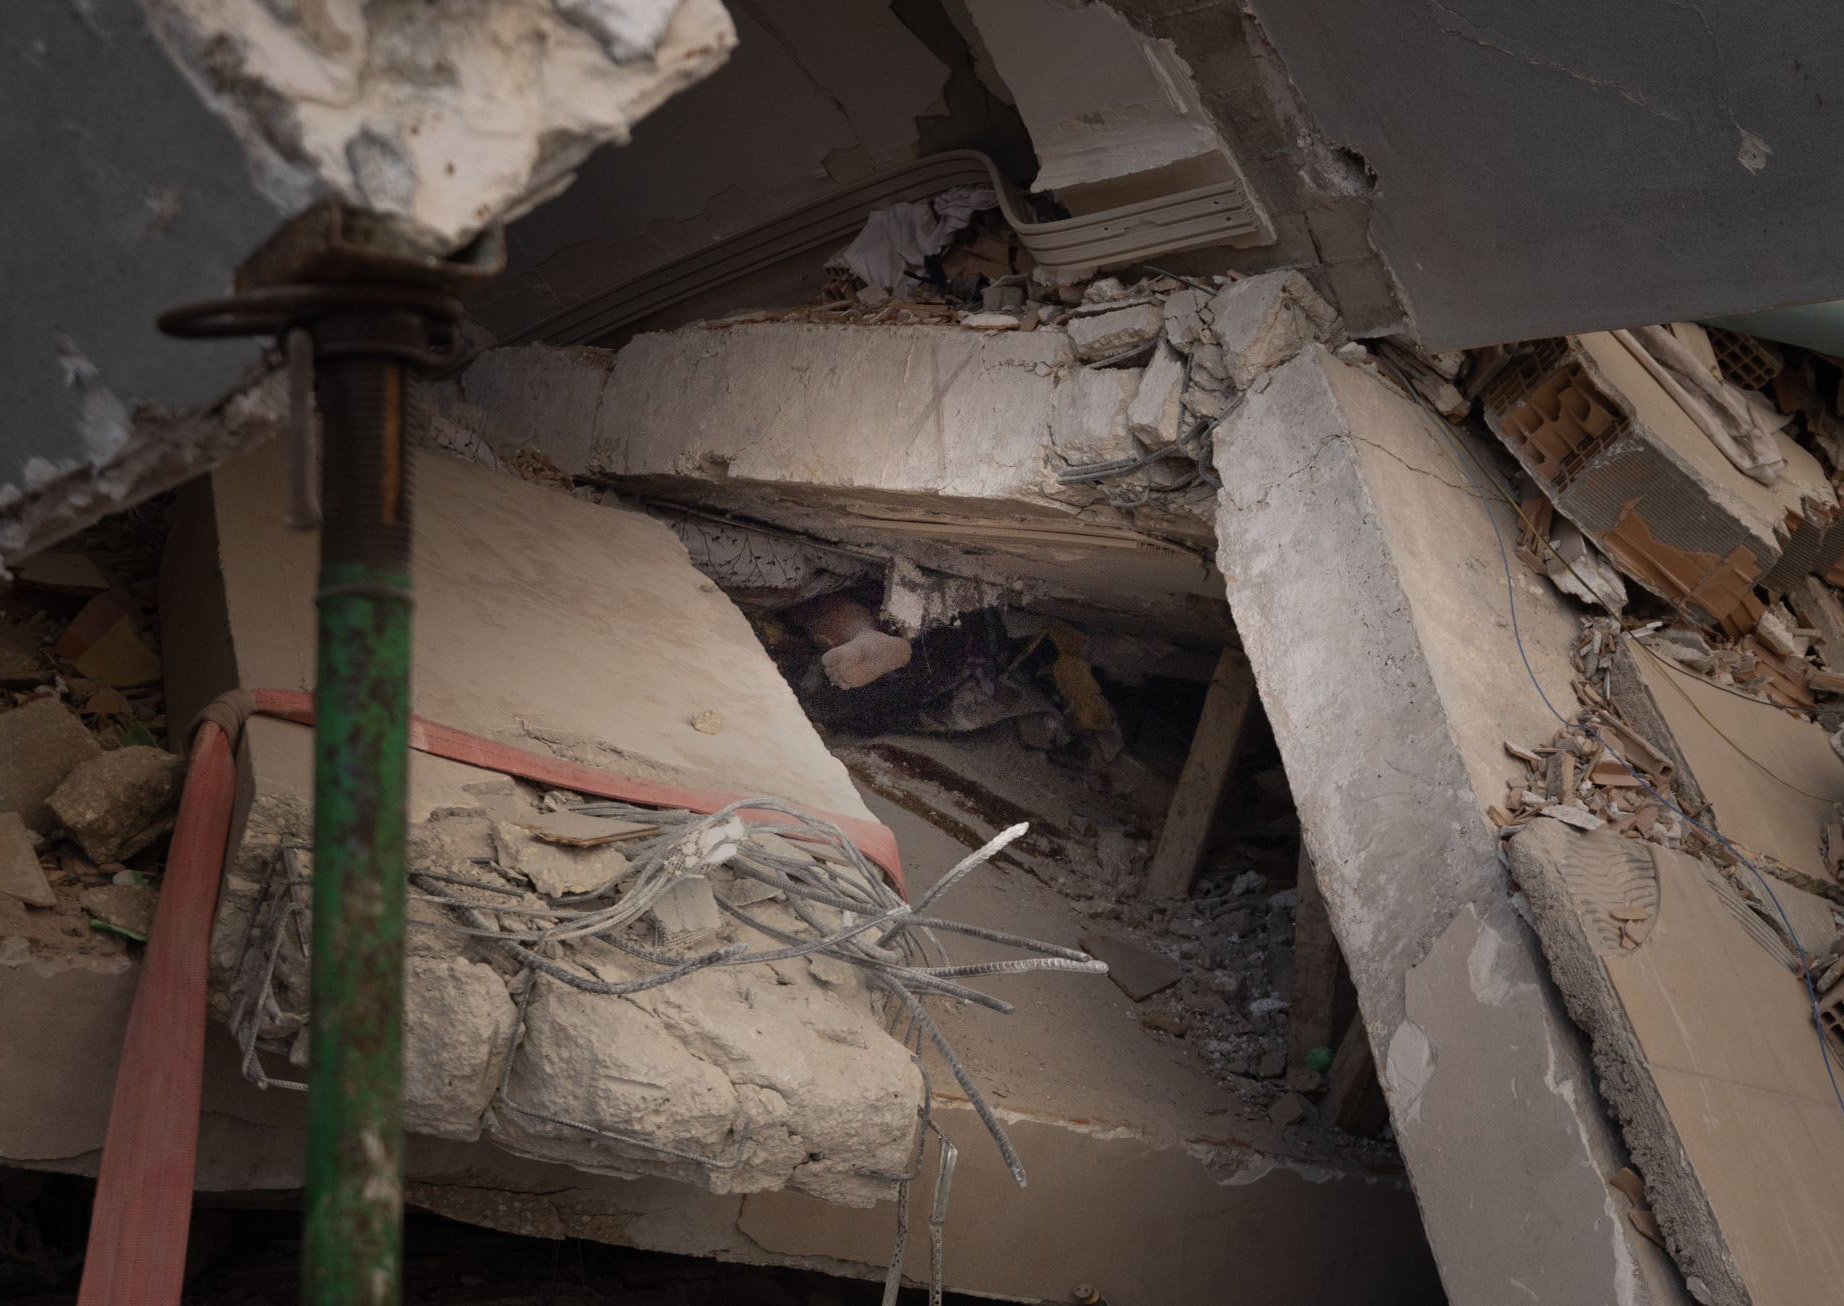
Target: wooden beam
1315,972
1206,771
1353,1097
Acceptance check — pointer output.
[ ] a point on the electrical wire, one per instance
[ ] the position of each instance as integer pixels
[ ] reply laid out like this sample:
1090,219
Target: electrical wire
1452,436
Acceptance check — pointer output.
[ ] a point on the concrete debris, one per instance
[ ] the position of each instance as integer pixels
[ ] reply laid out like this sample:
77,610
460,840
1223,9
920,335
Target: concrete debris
1156,415
686,912
1115,334
458,1022
1579,570
115,805
126,907
556,869
707,722
1088,420
41,742
1260,322
21,875
447,119
916,601
1688,647
1620,455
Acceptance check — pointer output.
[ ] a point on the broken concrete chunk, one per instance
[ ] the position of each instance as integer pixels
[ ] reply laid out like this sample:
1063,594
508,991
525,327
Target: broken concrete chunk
112,805
1187,323
790,1085
457,1032
1289,1109
1135,971
40,743
687,911
20,873
1098,336
707,722
1088,416
1263,321
1777,630
1158,405
1579,570
128,907
994,321
444,118
556,870
1574,814
1104,290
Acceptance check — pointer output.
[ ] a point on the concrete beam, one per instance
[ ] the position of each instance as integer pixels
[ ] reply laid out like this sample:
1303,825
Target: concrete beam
936,444
1364,575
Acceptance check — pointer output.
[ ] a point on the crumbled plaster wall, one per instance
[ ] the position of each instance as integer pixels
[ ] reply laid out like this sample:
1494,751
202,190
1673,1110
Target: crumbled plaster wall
448,116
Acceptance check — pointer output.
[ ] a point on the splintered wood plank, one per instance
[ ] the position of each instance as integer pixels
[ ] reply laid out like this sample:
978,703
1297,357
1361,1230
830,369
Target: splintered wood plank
1206,770
1315,971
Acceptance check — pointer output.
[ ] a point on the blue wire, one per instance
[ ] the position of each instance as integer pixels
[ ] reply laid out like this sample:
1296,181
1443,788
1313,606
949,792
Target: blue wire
1805,958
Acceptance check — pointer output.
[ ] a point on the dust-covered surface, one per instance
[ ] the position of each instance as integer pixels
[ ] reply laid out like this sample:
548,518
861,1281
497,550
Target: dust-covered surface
575,993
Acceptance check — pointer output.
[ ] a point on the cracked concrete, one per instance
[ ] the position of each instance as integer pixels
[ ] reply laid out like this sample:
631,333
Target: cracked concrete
911,441
1373,610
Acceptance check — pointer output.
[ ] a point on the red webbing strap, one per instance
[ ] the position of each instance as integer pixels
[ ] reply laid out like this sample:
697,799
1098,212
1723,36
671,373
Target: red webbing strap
874,839
143,1208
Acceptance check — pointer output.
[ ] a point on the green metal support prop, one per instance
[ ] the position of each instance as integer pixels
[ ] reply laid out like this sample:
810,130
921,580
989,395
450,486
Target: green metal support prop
359,311
361,743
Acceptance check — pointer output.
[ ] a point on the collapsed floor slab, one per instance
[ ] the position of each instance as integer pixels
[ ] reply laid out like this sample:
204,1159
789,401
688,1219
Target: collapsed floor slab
573,628
1365,578
939,443
1704,1041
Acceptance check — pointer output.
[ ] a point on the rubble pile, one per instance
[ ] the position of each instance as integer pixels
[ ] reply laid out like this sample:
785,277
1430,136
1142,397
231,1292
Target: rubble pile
1702,467
87,791
1598,770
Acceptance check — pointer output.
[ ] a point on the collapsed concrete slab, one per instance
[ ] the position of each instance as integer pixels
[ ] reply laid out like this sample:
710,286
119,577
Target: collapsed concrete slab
1704,1042
940,444
574,628
589,637
1365,578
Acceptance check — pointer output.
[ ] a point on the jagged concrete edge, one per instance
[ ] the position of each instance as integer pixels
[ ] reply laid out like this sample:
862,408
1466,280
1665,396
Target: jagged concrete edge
165,450
1692,1234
